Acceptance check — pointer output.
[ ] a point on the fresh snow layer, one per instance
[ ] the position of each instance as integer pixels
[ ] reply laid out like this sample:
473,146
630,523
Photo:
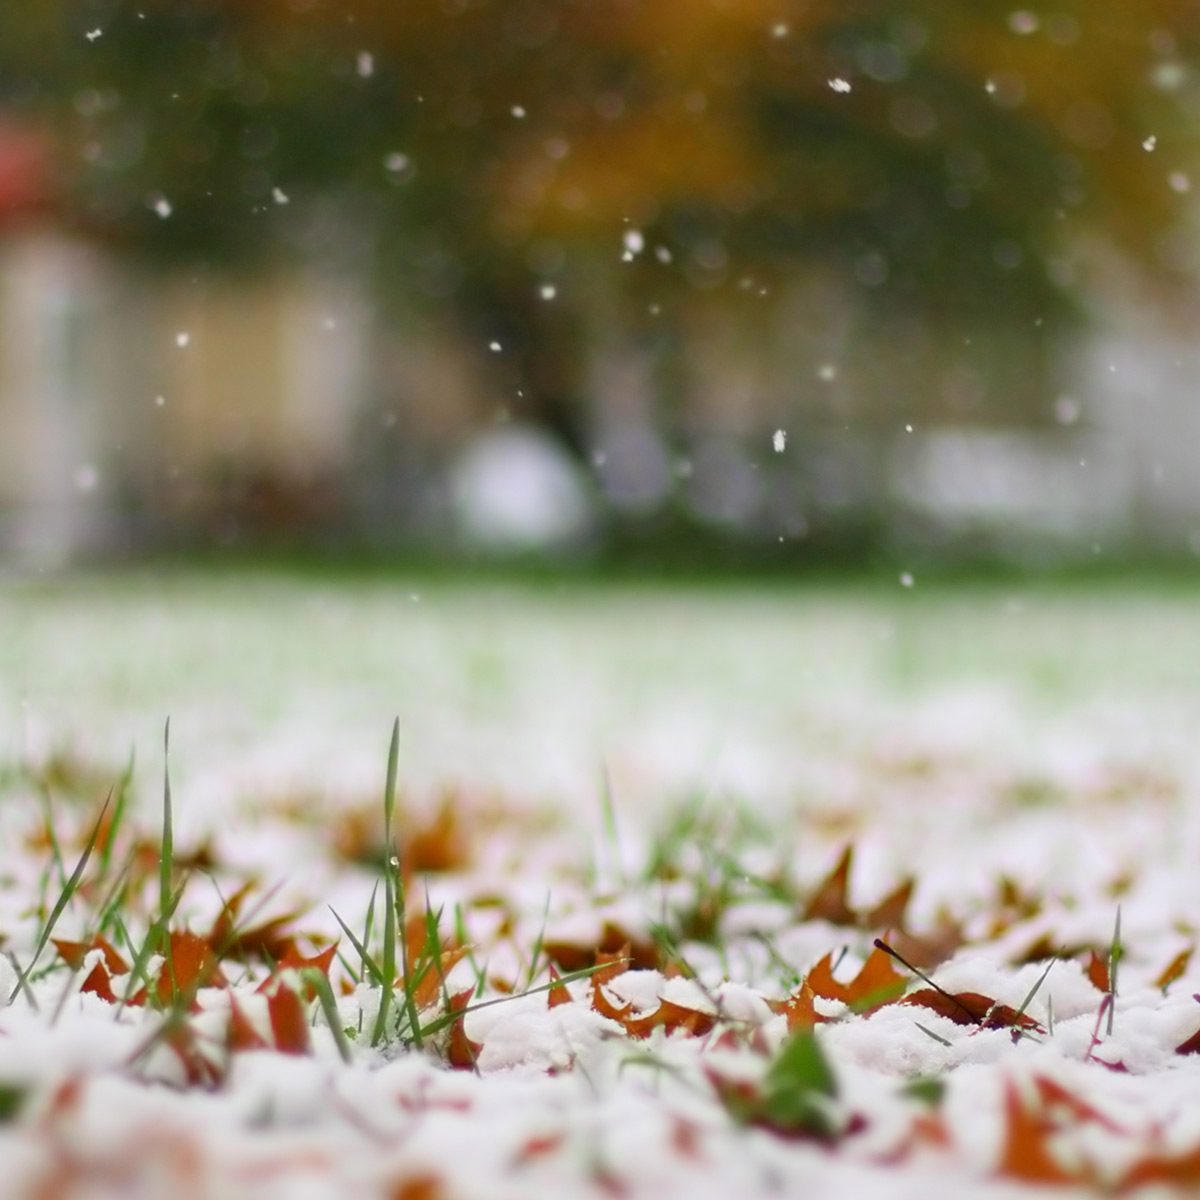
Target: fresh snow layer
1027,757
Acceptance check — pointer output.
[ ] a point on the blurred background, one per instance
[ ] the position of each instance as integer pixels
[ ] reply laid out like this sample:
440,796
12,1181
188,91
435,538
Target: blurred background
728,281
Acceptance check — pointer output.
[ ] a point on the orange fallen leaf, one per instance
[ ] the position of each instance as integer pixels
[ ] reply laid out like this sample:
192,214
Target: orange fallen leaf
418,1187
557,992
1181,1171
189,965
643,953
1053,1095
876,984
1174,969
432,981
73,954
668,1015
828,902
1097,972
1025,1155
798,1008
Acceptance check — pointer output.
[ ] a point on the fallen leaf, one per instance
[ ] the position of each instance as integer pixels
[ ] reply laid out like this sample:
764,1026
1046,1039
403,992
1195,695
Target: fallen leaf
798,1008
972,1008
828,902
289,1021
461,1052
1182,1171
1097,972
1174,969
538,1147
73,954
876,984
430,984
99,983
668,1015
1025,1155
643,953
418,1187
240,1034
557,992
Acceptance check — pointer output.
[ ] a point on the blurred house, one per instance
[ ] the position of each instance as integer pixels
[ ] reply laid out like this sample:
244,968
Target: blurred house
139,407
131,402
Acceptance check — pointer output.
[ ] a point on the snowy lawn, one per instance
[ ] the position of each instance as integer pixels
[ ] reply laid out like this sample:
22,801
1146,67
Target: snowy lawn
721,892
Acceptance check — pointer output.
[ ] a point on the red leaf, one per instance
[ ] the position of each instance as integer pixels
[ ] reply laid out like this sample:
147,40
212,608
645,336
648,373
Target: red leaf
289,1021
293,960
971,1008
99,984
73,954
1054,1095
241,1034
1191,1046
539,1147
199,1071
1097,972
461,1052
191,965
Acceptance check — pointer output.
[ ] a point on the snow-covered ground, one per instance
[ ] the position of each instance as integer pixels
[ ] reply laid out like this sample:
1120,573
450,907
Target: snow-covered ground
589,767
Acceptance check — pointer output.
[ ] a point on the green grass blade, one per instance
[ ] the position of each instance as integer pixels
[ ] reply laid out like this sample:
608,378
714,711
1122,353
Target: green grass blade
64,898
317,981
390,868
167,850
370,966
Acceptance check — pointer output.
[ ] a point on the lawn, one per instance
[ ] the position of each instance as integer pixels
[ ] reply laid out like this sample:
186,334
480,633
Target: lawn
714,890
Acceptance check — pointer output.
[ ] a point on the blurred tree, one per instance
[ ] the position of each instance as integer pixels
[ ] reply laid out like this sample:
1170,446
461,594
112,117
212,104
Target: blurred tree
950,161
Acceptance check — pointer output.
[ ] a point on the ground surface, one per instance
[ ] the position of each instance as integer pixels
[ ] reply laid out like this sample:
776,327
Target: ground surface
648,793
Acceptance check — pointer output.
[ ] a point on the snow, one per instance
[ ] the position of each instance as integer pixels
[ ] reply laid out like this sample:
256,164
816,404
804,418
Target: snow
962,737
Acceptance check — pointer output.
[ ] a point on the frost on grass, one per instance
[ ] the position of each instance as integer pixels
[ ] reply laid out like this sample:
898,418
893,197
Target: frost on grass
327,996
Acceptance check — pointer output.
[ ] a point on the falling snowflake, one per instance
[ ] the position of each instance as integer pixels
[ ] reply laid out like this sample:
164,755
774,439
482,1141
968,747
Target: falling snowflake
182,339
779,440
839,85
279,196
1149,143
634,243
366,64
906,579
